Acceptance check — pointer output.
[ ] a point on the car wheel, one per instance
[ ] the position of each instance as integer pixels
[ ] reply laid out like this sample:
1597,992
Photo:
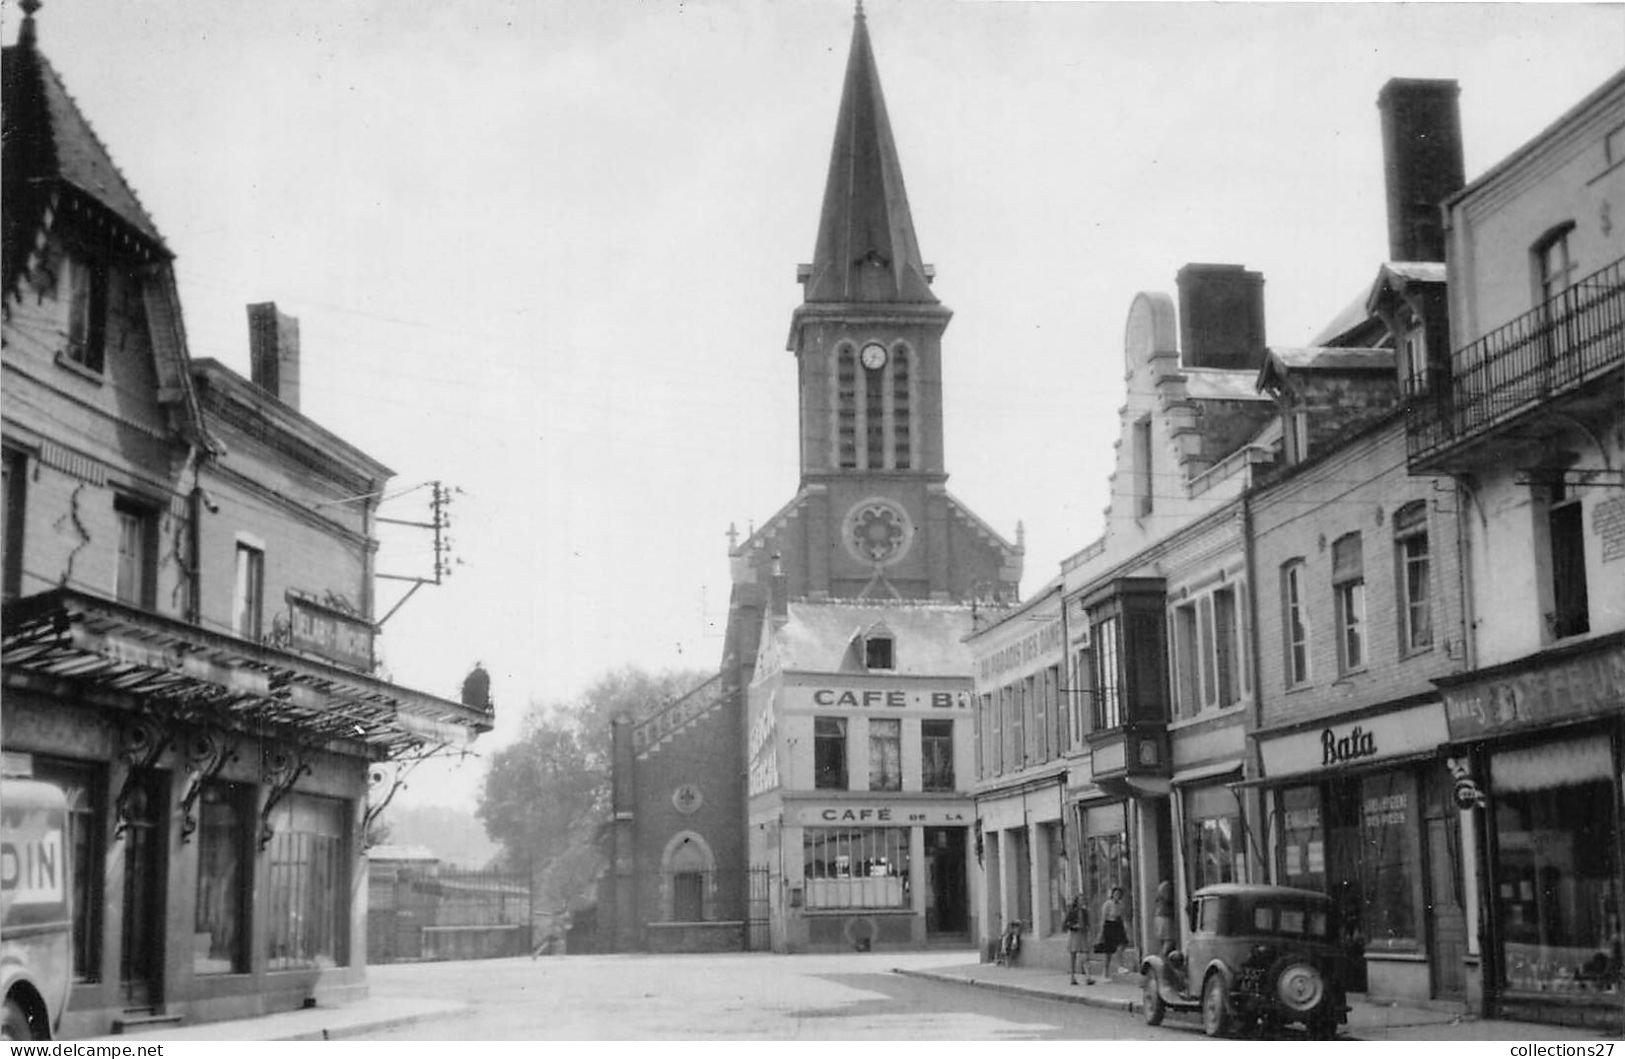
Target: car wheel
1151,998
16,1026
1299,986
1215,1007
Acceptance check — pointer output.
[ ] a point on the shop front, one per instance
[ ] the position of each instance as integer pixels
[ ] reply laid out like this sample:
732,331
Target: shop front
1537,757
860,873
1361,810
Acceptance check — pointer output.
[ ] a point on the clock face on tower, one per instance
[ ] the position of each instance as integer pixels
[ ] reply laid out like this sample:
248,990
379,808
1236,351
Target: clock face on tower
877,532
873,356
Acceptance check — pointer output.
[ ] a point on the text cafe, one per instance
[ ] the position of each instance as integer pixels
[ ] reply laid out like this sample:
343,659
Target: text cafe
1360,810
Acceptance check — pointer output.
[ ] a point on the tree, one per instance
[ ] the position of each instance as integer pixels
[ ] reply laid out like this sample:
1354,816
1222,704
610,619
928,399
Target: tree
546,793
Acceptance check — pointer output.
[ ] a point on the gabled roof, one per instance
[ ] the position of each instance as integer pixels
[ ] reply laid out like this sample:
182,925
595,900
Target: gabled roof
57,173
817,636
50,143
866,249
1279,363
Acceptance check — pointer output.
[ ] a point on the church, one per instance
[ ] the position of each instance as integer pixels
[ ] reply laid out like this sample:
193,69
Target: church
815,795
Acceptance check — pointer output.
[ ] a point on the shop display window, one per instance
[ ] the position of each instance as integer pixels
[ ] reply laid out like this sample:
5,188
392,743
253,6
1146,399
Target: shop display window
225,873
1055,845
859,867
1390,865
1556,889
309,884
1303,839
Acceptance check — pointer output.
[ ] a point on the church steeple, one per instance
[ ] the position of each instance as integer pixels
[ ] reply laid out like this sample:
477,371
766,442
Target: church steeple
866,250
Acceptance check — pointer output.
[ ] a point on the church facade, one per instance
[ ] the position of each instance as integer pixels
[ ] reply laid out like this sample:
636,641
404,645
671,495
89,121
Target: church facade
844,672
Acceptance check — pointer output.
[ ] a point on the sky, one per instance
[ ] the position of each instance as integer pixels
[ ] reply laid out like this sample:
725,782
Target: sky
544,252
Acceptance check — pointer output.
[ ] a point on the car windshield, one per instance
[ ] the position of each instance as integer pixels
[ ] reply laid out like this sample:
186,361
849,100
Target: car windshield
1293,920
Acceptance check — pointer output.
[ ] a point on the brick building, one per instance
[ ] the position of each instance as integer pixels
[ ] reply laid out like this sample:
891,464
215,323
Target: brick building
187,644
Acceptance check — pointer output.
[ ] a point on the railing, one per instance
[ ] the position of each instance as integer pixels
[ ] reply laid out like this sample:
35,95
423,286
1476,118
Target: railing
1545,353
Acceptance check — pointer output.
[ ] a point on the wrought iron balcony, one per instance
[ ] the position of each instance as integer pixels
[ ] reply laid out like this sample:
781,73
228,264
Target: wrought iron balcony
1506,378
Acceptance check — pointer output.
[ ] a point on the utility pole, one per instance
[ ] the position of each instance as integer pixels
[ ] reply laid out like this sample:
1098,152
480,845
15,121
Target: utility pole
439,524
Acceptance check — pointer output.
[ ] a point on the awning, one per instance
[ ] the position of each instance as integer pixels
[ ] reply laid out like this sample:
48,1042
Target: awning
1214,770
192,675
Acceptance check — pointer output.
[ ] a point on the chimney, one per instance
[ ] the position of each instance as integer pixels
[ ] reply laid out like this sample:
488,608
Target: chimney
1422,163
273,351
1221,317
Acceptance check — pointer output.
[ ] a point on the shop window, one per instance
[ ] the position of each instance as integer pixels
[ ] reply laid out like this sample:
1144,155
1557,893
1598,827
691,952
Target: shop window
1413,563
309,884
1348,590
1294,624
885,754
1216,850
136,571
829,753
87,313
864,867
249,596
13,494
224,878
1302,850
1390,876
1571,614
1107,674
1105,865
83,784
1556,887
936,755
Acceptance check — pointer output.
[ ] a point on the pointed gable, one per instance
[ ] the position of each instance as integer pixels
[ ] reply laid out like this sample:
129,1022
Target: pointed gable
60,182
52,150
866,249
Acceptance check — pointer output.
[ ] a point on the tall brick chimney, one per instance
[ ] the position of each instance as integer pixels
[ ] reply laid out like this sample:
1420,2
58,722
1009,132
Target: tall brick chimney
1221,317
1422,162
273,351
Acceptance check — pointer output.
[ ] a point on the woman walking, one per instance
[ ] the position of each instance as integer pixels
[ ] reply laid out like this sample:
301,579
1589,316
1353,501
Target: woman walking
1113,935
1077,938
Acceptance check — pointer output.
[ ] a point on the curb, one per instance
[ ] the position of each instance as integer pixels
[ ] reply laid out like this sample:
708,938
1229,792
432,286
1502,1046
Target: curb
1014,988
387,1022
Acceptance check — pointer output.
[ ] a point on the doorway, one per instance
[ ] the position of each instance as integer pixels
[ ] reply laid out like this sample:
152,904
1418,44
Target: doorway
945,874
141,954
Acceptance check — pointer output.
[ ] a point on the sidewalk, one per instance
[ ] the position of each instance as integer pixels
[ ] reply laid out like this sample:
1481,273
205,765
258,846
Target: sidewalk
1368,1021
307,1024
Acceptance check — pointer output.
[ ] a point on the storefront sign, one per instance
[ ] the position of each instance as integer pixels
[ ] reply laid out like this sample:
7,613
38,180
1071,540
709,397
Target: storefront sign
873,698
875,815
1370,739
1575,687
330,633
1037,646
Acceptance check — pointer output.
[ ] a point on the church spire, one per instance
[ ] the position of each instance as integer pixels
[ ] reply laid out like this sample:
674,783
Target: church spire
866,250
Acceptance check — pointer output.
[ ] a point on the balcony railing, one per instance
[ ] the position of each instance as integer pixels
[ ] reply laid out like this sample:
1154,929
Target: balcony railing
1544,354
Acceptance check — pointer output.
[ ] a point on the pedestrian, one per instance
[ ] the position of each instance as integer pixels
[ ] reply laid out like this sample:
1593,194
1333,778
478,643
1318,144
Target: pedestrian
1076,924
1010,943
1165,917
1113,935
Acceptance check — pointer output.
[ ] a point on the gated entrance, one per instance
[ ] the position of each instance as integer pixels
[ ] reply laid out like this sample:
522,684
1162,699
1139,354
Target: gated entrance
758,909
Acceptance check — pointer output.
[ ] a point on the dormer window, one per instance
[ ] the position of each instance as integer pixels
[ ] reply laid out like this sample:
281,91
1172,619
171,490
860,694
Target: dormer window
878,651
87,313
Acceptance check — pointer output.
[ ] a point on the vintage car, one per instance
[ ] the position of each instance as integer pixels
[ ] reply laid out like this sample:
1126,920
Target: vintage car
1256,958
